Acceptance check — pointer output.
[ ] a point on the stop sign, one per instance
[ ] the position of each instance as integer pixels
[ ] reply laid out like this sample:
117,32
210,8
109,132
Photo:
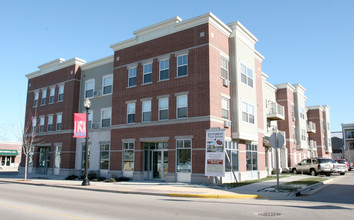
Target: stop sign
276,140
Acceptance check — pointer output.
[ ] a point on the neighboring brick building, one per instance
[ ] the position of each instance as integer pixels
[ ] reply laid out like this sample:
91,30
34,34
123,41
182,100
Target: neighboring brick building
154,99
10,155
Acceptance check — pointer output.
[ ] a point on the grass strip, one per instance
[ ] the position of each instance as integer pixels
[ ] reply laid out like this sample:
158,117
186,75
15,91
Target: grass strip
247,182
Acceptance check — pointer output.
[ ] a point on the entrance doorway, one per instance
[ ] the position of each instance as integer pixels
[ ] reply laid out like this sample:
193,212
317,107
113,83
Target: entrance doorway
44,159
156,160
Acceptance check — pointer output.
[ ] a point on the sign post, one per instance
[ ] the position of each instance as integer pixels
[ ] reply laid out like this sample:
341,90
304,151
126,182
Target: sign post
277,141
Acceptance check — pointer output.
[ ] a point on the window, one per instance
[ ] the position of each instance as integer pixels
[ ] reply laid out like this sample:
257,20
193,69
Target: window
57,157
163,109
349,134
147,73
89,88
246,75
224,68
182,106
293,111
104,156
184,156
164,69
132,77
146,110
232,151
50,123
247,112
34,124
131,112
182,65
41,124
128,156
106,117
59,119
35,103
225,107
107,84
51,95
251,157
61,94
303,135
294,133
302,113
44,97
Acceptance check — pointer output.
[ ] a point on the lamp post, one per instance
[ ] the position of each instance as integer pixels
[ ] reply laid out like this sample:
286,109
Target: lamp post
86,182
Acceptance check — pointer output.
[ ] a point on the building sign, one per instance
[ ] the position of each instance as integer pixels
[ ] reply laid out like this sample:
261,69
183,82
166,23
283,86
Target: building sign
79,125
215,152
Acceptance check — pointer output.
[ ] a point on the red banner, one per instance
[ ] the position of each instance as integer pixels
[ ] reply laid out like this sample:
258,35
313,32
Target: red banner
80,125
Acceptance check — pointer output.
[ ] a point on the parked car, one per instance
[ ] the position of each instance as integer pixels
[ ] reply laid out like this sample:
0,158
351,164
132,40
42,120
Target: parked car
344,161
314,166
339,168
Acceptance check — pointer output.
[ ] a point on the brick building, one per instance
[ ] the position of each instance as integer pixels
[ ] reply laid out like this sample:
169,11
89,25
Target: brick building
154,99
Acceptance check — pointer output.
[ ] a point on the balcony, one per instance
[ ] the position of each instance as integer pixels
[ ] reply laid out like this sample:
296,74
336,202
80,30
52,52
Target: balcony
311,127
275,111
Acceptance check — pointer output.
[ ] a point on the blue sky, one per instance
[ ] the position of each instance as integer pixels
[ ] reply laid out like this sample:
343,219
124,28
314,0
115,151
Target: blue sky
306,42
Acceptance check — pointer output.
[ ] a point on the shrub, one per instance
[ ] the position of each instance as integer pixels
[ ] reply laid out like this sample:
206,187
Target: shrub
101,178
71,177
121,179
92,175
112,180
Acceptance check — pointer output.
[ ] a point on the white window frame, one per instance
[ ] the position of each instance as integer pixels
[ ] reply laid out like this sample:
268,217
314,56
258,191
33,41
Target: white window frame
163,68
147,71
182,65
144,111
50,122
224,68
227,109
133,76
184,148
131,113
34,123
61,93
44,96
36,96
163,109
248,75
41,123
247,110
178,105
131,147
105,118
51,95
105,150
89,119
93,88
103,84
59,115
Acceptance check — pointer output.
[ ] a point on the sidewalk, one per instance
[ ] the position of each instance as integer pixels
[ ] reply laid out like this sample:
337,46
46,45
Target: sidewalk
250,191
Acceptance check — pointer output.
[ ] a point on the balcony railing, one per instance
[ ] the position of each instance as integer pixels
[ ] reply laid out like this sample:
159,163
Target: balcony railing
275,111
311,127
312,145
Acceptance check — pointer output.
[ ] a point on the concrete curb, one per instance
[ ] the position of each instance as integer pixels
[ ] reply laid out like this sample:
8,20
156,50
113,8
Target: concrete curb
239,196
205,196
312,187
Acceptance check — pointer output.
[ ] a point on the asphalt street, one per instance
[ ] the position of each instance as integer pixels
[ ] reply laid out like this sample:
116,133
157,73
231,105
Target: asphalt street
19,201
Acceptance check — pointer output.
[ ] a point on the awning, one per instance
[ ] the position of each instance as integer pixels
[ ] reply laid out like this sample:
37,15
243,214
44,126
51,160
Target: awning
5,152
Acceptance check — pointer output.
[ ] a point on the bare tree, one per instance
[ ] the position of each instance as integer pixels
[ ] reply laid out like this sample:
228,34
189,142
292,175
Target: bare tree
28,137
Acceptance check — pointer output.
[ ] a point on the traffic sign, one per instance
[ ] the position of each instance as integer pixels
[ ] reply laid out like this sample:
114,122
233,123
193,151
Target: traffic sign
276,140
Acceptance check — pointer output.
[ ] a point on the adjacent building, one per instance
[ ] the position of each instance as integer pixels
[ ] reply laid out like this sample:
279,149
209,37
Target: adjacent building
10,155
153,100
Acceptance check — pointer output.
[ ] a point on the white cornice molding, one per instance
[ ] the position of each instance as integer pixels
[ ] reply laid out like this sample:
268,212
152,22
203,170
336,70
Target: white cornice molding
97,63
285,86
271,86
299,87
237,26
54,65
259,56
170,26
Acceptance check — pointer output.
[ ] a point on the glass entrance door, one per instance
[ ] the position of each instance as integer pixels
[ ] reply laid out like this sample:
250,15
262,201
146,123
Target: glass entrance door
44,158
159,164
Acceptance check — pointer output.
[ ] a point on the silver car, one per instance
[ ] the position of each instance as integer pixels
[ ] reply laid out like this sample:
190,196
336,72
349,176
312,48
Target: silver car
339,168
314,166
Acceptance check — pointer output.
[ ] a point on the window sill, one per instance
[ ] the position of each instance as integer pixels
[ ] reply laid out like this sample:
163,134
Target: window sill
131,87
178,77
163,80
146,84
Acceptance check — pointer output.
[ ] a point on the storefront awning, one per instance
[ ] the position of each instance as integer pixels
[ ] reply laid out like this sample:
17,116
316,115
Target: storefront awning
5,152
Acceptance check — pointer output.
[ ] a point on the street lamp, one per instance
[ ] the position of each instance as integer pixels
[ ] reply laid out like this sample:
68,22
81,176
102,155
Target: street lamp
86,182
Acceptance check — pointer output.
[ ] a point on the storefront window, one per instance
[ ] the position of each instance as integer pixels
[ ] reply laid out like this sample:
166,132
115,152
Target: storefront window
251,157
104,156
232,152
128,156
184,156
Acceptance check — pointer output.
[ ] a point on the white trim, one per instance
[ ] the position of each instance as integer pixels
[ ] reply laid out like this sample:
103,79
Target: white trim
97,63
93,89
110,117
103,78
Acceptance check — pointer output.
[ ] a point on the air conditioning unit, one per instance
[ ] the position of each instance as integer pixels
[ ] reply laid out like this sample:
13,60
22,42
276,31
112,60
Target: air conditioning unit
227,124
226,82
97,93
95,125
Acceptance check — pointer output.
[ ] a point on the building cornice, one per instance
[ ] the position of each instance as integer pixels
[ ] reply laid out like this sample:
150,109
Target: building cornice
55,65
171,26
285,86
97,63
